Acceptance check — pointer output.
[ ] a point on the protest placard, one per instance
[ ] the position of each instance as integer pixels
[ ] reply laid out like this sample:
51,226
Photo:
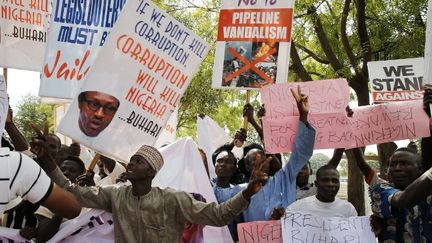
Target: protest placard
396,80
389,122
305,227
23,26
325,96
253,43
135,83
332,131
373,124
260,231
77,33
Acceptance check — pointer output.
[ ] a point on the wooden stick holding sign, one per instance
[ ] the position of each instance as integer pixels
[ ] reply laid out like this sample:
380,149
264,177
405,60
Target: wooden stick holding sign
427,75
237,142
245,118
5,74
93,163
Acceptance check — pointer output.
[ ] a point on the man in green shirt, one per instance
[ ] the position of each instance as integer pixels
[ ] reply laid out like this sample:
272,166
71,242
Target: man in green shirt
143,213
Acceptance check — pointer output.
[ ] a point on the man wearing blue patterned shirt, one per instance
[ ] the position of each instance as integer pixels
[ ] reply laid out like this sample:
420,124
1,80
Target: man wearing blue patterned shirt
404,207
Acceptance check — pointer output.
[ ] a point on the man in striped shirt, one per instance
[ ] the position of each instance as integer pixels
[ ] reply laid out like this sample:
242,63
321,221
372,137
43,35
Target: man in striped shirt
21,176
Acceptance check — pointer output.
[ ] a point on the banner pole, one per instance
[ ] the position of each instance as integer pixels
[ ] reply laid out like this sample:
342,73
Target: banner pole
245,119
237,142
428,48
93,162
5,75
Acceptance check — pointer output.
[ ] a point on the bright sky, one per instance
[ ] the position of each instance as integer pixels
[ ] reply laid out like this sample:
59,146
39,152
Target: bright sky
21,83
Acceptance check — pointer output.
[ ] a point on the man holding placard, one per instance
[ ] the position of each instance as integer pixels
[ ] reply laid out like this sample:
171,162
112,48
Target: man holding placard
280,190
403,207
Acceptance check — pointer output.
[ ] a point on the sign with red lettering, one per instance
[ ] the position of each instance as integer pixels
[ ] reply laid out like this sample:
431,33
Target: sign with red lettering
396,80
260,231
23,33
373,124
136,82
325,96
77,33
253,43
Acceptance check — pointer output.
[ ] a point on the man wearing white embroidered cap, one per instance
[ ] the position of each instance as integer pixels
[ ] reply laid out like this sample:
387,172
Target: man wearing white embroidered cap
143,213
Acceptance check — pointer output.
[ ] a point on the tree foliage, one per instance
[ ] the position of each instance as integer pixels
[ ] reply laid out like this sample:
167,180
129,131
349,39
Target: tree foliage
30,110
317,160
331,39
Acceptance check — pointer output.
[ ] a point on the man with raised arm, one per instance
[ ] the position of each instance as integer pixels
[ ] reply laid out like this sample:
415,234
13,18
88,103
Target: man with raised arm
22,176
143,213
404,205
280,190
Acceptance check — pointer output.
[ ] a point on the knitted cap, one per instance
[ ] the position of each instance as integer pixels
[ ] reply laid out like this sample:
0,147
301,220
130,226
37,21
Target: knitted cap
152,155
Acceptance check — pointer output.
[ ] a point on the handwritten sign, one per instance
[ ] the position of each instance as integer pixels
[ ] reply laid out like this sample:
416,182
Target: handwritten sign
369,125
260,231
303,227
77,33
389,122
325,96
23,26
396,80
136,82
254,39
332,131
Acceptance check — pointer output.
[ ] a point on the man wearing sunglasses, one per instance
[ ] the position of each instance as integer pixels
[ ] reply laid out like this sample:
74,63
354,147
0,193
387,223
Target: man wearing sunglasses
97,109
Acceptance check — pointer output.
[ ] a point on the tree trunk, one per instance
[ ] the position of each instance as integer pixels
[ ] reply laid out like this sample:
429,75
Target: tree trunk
355,179
385,150
355,185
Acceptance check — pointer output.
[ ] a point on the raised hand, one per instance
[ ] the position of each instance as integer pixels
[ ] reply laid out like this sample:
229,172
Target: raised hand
277,213
241,135
75,149
39,147
248,111
261,112
36,146
86,179
302,101
259,177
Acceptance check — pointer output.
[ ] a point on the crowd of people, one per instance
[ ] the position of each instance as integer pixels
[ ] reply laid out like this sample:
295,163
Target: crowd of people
52,185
